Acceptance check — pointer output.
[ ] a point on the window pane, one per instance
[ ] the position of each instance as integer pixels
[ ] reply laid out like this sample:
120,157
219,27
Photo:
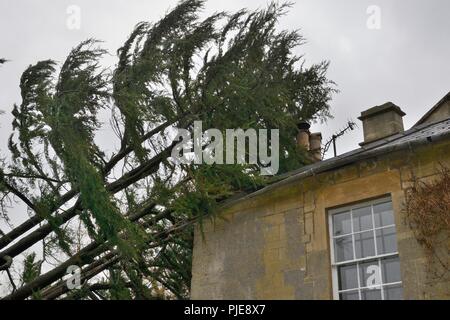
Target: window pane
362,219
343,248
341,224
394,292
386,240
383,214
348,277
364,245
370,274
350,295
371,294
390,268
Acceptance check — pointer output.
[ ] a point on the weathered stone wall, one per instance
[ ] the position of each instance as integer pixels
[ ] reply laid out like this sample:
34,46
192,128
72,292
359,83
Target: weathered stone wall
276,244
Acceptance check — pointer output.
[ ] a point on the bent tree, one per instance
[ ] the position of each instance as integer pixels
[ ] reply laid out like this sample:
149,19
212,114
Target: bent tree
125,216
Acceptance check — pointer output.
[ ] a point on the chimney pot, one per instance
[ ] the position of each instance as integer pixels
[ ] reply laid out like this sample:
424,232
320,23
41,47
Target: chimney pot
381,121
303,125
315,145
303,134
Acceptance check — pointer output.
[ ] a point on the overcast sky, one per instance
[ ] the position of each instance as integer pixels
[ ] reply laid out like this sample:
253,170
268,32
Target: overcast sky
403,57
405,60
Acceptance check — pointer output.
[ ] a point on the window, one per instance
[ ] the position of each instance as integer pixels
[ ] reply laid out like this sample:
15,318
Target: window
365,262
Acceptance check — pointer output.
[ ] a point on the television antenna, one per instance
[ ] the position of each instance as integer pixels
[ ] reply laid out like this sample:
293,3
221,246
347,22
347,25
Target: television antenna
350,126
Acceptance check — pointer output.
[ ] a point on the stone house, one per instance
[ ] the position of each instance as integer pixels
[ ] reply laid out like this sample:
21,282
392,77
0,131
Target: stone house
334,229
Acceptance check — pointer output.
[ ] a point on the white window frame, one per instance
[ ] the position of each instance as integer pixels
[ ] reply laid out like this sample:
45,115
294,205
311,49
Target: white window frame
335,265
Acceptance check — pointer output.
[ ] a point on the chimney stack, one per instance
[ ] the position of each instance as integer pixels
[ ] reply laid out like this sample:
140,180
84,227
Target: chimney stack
381,121
312,142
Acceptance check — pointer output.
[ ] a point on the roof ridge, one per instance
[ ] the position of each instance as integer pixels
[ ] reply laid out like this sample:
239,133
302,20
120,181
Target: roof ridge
432,109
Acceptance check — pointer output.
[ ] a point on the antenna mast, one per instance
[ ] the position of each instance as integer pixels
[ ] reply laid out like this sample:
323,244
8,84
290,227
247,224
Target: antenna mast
350,126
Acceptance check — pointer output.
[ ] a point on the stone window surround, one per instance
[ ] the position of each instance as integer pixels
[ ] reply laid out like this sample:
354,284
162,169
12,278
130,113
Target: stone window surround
334,264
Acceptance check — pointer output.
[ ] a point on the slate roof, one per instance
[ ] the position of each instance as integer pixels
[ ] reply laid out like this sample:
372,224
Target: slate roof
434,108
417,135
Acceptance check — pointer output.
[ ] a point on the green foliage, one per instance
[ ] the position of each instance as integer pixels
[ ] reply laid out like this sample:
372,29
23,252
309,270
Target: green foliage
228,70
69,109
31,268
43,208
118,290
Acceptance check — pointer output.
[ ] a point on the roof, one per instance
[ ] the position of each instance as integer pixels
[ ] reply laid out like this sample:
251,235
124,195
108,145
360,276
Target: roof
417,135
433,109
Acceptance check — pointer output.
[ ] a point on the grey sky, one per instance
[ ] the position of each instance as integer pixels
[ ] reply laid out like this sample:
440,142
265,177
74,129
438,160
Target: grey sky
406,61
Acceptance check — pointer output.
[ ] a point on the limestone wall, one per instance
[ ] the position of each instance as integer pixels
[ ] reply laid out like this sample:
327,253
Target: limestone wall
276,245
